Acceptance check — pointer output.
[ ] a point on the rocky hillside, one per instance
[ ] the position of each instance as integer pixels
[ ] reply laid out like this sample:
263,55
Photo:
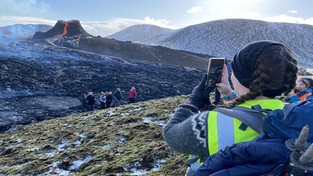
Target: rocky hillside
126,140
225,37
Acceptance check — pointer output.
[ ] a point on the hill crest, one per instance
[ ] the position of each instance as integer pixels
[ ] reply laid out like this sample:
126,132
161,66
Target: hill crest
223,38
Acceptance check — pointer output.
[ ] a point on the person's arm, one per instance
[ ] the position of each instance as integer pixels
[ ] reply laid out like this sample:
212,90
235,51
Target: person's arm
185,132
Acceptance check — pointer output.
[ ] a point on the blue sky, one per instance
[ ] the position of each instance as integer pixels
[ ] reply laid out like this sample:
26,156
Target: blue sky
104,17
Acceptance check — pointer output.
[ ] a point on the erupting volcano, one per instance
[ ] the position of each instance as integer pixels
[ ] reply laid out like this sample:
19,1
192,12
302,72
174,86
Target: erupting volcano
64,28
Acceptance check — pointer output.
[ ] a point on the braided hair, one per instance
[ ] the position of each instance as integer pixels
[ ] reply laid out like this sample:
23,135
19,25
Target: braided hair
275,73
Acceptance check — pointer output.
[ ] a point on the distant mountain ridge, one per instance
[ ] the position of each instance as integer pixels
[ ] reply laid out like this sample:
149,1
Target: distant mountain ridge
224,38
143,33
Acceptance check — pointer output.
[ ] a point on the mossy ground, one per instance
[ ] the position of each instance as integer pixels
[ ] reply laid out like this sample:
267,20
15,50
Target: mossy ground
125,140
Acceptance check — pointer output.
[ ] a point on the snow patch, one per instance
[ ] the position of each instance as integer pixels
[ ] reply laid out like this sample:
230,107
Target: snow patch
78,163
61,146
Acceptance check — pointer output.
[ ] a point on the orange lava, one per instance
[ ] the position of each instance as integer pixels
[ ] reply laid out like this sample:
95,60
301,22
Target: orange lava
65,29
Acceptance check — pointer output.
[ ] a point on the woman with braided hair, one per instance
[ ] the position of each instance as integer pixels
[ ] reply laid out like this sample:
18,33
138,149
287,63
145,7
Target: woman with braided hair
261,71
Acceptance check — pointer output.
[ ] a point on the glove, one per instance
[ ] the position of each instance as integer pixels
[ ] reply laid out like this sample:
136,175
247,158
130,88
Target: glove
200,95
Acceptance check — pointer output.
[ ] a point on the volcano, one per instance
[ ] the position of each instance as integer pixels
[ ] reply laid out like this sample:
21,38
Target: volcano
64,28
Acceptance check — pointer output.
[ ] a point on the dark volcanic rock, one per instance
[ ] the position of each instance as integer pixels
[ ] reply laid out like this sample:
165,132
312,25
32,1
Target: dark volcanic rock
21,110
143,53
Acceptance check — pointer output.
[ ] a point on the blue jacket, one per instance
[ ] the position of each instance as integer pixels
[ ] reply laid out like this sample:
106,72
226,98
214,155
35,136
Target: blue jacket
266,154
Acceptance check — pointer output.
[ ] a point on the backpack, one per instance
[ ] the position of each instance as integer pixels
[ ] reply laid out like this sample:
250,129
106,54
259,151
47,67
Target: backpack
287,123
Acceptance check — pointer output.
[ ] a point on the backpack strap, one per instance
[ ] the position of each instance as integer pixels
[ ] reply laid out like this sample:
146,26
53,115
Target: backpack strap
251,117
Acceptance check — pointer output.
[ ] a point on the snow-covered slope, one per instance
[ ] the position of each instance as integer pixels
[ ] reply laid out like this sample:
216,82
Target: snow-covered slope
224,38
144,33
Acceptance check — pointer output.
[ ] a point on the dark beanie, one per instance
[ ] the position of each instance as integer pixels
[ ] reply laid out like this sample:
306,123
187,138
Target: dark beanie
244,62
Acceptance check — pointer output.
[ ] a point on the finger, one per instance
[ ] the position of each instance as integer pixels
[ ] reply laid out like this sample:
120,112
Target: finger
203,81
219,86
209,89
225,79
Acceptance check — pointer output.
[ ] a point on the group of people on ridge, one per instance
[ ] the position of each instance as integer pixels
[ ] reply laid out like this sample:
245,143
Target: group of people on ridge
222,145
106,99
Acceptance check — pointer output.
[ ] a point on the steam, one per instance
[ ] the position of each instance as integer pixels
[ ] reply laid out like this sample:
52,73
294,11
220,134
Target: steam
14,40
20,32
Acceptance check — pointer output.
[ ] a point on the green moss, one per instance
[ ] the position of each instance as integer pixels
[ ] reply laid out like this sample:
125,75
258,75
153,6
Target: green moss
117,140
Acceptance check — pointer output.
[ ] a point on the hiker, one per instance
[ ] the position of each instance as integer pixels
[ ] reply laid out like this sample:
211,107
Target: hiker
303,90
90,101
132,95
102,100
109,99
260,71
117,97
83,101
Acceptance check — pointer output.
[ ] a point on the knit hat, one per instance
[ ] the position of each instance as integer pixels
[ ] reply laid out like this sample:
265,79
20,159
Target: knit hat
244,62
305,81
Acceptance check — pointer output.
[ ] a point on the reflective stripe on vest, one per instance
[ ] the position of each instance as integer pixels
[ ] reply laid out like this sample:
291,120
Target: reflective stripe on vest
225,132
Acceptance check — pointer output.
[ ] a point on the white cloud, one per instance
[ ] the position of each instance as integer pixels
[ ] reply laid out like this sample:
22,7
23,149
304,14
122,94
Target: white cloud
292,11
289,19
225,9
10,20
195,9
159,22
104,28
